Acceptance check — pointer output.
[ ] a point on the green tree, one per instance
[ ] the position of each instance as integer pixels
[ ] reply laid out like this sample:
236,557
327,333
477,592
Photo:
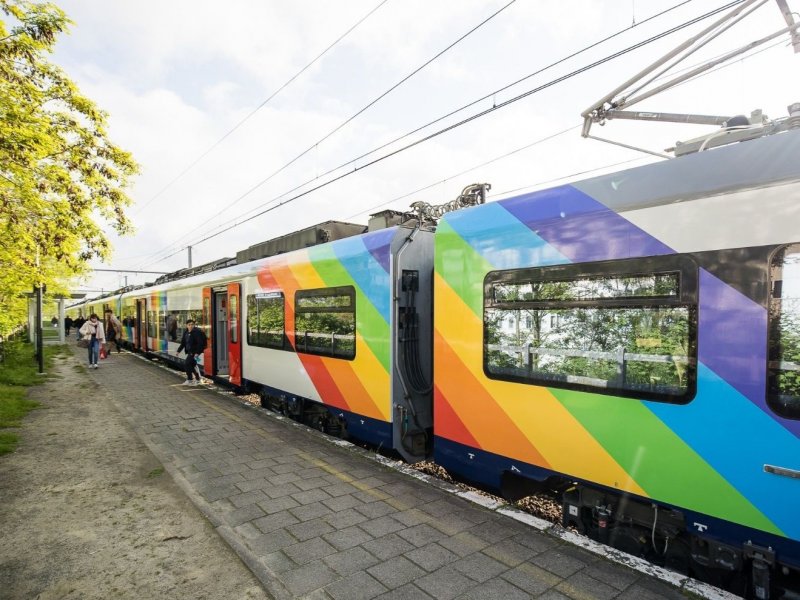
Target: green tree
62,181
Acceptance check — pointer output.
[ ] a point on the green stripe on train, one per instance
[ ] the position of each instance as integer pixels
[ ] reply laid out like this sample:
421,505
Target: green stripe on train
658,460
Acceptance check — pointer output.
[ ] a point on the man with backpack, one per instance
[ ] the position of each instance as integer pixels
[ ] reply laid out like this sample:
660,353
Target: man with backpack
193,342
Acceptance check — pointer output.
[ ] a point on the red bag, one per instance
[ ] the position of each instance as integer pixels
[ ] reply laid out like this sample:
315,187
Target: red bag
102,351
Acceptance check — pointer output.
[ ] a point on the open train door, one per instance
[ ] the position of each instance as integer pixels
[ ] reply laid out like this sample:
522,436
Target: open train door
206,327
235,333
140,335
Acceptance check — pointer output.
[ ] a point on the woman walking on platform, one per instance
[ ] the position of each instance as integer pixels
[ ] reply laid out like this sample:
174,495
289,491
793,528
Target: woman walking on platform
92,331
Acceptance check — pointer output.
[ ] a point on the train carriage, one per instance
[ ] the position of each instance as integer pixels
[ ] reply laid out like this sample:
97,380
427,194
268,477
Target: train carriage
634,338
347,326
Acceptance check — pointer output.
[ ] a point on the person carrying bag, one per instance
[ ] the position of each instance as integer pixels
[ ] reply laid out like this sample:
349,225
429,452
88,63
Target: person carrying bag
94,335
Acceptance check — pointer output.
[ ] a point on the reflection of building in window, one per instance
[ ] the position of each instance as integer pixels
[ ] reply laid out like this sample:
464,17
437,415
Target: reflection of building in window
784,333
623,327
325,322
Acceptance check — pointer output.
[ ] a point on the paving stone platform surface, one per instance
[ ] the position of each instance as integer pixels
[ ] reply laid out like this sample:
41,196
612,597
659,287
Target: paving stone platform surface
313,519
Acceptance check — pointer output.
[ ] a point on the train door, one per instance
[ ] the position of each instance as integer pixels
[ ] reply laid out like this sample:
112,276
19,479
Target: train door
234,326
207,328
221,333
140,335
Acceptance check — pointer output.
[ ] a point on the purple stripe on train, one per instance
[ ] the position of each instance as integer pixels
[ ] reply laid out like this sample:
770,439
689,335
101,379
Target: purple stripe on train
732,341
379,245
581,228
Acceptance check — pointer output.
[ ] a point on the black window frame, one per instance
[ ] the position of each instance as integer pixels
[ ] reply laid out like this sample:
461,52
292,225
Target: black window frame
687,297
258,343
773,336
346,290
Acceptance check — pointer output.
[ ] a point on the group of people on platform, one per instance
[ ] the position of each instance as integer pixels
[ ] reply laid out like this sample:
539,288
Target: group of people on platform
99,335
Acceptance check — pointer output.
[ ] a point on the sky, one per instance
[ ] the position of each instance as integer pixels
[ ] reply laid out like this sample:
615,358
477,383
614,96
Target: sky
186,83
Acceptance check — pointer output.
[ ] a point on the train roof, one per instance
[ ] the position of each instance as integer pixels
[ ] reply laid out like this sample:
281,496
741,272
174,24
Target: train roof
221,276
762,162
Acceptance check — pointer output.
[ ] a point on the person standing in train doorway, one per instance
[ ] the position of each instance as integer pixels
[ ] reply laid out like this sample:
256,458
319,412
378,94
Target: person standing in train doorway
92,331
194,342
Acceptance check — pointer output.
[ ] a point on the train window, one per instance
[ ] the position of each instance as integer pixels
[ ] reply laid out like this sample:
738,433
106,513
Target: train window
204,320
325,321
233,318
152,320
266,321
175,323
171,322
625,328
784,333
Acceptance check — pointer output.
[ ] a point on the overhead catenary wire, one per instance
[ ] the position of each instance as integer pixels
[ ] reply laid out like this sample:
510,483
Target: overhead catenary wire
465,171
427,125
450,114
367,106
362,110
257,108
468,120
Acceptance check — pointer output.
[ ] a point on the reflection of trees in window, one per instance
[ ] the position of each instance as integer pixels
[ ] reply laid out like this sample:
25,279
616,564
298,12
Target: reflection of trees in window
784,338
325,322
629,333
265,321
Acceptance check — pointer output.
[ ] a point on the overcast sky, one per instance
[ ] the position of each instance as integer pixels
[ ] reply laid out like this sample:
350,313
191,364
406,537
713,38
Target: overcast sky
177,76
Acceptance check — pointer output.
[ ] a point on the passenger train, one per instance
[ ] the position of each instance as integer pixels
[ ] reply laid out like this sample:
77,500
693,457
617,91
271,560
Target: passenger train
631,341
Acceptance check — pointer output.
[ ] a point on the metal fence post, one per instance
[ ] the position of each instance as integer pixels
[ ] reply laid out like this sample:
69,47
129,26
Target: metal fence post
621,366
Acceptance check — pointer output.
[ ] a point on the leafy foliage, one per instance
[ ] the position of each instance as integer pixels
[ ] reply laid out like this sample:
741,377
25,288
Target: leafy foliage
58,169
591,342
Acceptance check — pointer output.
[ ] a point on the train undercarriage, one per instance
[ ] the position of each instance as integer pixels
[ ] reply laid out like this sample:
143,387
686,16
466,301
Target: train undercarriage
661,536
313,414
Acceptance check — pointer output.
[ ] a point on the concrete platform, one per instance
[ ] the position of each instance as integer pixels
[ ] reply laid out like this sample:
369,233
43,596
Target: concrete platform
317,519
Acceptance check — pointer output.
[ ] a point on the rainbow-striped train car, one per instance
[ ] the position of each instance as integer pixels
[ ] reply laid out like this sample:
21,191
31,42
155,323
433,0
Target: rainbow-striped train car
635,339
336,335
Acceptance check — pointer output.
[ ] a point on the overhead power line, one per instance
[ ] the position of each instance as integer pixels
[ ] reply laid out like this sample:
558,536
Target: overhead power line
469,119
367,106
257,108
362,110
465,171
418,129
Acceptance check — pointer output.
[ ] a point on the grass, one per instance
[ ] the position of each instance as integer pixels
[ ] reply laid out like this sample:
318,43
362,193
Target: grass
155,472
18,370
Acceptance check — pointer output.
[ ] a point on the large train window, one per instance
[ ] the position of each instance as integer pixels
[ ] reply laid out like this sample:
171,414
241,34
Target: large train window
625,328
325,321
265,321
784,333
